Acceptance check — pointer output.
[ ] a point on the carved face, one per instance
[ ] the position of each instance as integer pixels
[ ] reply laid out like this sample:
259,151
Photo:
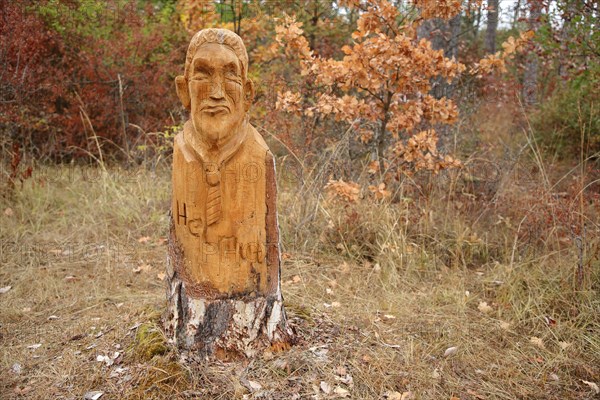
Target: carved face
217,92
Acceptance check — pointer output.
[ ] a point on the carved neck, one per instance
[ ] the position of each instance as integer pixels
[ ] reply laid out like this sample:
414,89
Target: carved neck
215,153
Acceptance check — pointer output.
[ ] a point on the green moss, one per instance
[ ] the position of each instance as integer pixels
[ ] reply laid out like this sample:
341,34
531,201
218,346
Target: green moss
150,341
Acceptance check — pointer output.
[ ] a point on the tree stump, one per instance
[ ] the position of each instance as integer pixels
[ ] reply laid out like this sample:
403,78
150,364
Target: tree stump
223,270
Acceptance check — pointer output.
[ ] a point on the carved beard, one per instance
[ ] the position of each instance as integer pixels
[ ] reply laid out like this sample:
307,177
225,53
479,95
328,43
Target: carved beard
217,130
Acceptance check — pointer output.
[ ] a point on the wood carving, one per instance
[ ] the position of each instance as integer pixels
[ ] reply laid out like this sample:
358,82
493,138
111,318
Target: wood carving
224,294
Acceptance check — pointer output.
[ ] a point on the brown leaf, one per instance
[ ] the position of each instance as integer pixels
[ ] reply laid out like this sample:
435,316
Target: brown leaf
340,370
341,392
537,342
484,307
593,386
143,267
22,390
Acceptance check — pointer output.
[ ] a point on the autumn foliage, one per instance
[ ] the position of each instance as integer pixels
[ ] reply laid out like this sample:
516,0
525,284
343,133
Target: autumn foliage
381,87
76,72
85,79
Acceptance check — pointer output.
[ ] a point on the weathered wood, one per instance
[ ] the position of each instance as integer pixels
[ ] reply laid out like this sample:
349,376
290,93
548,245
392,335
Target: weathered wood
223,271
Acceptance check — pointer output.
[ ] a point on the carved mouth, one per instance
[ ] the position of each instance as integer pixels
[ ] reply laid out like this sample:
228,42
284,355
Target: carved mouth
213,110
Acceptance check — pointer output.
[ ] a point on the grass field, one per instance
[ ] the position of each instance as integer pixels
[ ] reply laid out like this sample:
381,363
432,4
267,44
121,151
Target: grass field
449,298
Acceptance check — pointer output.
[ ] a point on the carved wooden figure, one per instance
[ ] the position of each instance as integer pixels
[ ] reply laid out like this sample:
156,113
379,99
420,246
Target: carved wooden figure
224,294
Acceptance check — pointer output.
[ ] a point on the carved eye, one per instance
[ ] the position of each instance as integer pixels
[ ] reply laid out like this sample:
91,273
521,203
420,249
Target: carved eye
200,76
231,75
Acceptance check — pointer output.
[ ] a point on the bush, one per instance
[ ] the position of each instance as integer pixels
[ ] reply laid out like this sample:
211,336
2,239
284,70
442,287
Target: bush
570,116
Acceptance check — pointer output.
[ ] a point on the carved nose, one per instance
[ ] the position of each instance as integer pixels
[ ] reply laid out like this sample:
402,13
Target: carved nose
216,90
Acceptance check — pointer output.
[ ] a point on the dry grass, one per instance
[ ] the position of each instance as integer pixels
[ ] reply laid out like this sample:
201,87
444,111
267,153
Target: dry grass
377,293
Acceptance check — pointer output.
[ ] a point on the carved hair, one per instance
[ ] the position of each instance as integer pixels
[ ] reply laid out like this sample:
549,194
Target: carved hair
218,36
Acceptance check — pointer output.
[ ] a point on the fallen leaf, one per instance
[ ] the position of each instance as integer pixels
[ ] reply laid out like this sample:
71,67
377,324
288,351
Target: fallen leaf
118,371
95,395
335,304
268,355
504,325
344,267
144,239
436,374
161,276
393,395
347,380
564,345
296,279
325,387
593,386
5,289
9,212
254,386
281,364
16,368
483,307
399,396
450,351
22,390
341,392
143,267
537,342
476,395
104,359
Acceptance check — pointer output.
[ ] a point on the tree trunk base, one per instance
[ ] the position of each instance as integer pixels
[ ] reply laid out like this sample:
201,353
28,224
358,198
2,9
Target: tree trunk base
228,328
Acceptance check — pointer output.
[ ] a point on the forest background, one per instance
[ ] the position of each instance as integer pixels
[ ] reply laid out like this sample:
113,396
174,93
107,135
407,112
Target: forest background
439,177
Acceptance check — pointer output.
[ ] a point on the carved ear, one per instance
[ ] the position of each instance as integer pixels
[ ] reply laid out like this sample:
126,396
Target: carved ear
248,93
182,90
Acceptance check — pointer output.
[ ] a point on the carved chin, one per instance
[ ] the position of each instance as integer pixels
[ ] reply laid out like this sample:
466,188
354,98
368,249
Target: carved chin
215,128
